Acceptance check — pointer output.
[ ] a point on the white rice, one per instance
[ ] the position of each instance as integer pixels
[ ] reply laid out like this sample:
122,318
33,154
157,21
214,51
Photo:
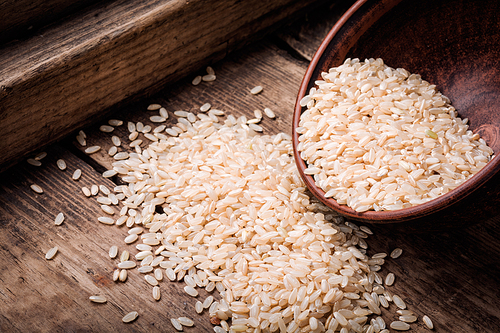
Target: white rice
76,174
197,80
176,324
51,253
378,138
205,107
106,128
428,322
34,162
97,299
113,251
59,219
36,188
156,293
92,149
153,107
115,122
129,317
233,208
256,90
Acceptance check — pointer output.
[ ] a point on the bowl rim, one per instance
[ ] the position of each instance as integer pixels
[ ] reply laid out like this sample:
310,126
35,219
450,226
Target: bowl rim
383,217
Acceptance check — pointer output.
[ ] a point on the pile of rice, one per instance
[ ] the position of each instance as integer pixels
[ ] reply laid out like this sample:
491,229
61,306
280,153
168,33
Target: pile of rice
379,138
222,207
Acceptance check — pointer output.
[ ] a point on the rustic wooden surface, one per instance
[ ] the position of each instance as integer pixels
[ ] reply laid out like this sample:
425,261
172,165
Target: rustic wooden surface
65,76
21,18
453,276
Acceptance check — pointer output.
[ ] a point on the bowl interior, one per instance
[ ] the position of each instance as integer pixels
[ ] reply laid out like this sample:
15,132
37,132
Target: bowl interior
452,44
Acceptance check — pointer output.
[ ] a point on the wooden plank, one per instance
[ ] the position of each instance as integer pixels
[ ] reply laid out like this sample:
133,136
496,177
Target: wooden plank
55,82
305,37
22,18
268,66
38,295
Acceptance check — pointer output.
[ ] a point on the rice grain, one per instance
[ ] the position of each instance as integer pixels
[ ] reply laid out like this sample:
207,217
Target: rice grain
86,191
92,149
428,322
113,251
269,113
115,122
36,188
396,253
76,174
126,265
51,253
205,107
196,81
130,317
208,77
400,326
156,293
106,128
97,299
34,162
59,219
255,90
185,321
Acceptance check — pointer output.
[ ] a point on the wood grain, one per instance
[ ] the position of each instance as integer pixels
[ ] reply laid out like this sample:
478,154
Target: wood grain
265,65
38,295
306,37
21,18
63,78
452,276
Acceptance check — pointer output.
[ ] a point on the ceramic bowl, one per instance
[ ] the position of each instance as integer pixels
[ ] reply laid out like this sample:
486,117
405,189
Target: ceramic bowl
452,44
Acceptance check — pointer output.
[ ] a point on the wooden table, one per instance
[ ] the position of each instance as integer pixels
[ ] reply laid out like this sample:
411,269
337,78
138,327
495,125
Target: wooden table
453,276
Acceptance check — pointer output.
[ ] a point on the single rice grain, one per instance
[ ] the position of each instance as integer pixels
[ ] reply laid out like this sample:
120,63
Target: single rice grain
113,251
86,191
185,321
428,322
106,128
269,113
92,149
396,253
51,253
255,90
59,219
400,326
115,122
156,293
153,107
97,299
196,81
208,77
34,162
130,317
36,188
76,174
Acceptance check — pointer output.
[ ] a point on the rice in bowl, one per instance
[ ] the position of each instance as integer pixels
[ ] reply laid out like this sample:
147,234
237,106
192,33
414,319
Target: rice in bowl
378,138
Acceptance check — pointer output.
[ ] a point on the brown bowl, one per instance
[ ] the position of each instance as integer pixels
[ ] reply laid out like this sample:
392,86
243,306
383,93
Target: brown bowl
452,44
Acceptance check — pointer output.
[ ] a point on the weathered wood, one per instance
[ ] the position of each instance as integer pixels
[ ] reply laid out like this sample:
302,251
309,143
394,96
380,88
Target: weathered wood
39,295
453,277
268,66
305,38
55,82
22,18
